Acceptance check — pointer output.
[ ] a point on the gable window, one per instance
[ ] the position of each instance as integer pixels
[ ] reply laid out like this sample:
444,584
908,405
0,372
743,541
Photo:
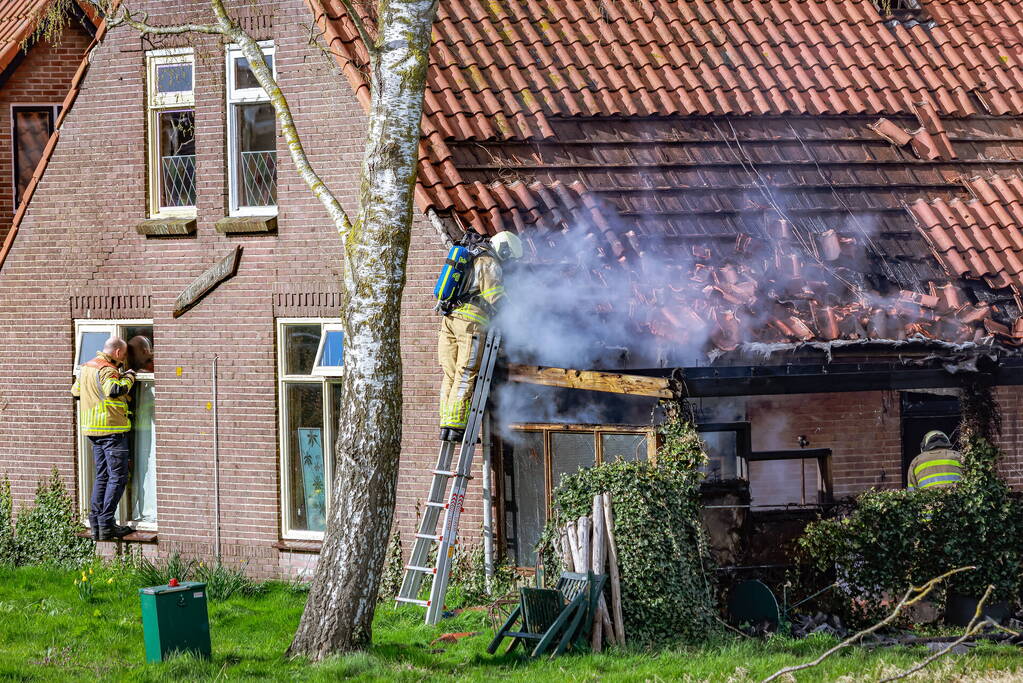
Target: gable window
138,505
309,364
32,128
536,459
171,125
251,137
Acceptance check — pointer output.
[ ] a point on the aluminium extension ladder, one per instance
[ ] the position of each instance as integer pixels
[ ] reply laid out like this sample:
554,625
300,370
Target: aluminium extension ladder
450,503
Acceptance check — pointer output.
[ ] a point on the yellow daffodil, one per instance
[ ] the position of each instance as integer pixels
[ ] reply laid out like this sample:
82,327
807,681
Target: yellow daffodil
83,576
90,571
110,580
76,582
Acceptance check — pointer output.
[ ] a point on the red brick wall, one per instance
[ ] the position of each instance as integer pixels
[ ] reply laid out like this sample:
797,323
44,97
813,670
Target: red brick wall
1010,405
42,78
78,253
862,429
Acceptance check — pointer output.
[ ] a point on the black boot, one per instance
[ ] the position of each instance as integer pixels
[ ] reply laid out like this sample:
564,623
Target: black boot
112,533
455,435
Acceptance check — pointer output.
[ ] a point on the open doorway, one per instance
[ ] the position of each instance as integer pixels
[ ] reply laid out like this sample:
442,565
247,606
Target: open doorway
920,414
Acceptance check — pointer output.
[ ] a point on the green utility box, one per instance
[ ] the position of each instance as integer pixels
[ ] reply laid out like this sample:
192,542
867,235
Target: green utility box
174,619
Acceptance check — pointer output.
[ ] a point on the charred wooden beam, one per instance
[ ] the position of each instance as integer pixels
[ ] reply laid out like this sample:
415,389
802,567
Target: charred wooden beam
609,382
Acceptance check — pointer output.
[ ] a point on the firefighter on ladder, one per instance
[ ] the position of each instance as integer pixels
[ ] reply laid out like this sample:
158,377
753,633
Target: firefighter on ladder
476,266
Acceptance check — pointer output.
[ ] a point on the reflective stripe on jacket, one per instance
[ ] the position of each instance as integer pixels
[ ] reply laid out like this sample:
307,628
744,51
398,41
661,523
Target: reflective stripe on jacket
485,290
935,468
104,397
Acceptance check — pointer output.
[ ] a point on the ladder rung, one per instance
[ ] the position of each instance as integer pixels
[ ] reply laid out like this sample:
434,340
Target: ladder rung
414,601
432,537
445,473
424,570
432,504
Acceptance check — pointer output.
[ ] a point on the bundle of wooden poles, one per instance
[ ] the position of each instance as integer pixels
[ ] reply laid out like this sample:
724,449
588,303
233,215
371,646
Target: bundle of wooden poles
588,545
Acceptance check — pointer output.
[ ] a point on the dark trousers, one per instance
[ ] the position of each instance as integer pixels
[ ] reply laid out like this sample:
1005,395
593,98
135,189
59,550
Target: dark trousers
112,457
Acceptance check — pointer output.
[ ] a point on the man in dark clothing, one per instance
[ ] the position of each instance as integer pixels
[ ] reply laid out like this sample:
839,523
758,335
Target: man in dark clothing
103,388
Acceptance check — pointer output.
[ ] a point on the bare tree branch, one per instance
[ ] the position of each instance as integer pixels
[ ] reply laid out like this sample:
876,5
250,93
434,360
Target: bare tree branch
971,629
142,25
360,26
913,595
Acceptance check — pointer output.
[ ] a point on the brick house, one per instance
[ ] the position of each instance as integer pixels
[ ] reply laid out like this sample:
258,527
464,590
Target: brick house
804,213
35,76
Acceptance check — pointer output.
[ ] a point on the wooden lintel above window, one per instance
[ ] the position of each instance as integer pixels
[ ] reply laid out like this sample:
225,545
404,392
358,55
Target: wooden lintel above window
166,227
614,383
246,224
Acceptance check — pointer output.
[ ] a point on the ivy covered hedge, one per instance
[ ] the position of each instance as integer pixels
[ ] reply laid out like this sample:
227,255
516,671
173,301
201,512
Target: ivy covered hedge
665,568
893,539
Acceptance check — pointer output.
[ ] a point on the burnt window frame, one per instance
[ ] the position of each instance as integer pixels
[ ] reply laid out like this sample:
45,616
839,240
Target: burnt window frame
743,442
548,430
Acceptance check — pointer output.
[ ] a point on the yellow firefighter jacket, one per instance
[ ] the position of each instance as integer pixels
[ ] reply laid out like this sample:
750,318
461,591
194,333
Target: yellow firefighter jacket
104,397
484,291
939,467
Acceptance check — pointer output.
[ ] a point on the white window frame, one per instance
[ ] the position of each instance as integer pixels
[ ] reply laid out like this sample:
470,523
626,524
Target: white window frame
329,427
55,108
156,103
327,370
111,327
243,96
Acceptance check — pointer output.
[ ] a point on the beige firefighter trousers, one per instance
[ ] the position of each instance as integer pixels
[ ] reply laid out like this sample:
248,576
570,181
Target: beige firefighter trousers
459,348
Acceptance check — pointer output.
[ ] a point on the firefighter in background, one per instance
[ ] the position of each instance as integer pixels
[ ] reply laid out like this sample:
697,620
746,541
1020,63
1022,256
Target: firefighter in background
468,292
938,464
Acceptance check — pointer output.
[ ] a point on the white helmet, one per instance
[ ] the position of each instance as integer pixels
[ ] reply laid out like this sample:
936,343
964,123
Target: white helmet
506,245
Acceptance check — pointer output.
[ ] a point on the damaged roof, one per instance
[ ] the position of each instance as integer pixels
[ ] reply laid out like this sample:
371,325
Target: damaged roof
808,170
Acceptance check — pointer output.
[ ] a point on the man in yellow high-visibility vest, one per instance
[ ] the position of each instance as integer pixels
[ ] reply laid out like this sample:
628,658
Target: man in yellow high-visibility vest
103,386
938,464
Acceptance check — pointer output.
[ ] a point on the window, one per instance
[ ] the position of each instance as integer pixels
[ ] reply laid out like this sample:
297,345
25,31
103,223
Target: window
171,127
252,137
309,360
32,128
330,352
537,457
796,478
727,445
139,502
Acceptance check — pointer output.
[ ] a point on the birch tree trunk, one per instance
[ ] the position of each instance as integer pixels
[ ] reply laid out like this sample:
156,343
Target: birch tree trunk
339,612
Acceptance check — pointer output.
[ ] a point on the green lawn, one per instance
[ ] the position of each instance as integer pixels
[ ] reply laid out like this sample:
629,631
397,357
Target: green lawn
48,633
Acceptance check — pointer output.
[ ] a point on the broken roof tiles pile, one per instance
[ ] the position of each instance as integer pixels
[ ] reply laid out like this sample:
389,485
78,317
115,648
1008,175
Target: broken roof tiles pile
536,110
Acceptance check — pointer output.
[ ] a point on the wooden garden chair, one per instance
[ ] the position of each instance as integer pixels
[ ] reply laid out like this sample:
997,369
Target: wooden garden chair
553,617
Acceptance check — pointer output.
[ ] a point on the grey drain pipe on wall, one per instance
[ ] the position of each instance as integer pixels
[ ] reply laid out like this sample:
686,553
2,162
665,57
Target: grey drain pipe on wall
216,464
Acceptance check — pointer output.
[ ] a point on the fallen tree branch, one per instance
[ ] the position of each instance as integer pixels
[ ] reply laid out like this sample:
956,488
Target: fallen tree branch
976,623
913,595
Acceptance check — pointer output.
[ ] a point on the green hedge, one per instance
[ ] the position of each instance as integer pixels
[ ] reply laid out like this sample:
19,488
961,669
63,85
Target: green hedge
47,532
665,568
893,539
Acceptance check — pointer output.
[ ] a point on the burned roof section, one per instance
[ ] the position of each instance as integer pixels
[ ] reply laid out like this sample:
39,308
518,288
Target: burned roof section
767,157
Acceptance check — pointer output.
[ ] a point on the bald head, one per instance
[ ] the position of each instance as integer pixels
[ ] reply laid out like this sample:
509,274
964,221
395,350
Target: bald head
116,348
140,354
